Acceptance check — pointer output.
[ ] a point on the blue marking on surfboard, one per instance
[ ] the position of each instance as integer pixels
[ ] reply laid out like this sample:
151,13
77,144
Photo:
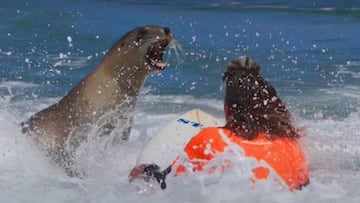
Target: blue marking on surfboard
188,122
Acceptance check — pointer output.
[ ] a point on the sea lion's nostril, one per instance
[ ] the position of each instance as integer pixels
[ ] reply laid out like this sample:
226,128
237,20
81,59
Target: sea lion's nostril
167,30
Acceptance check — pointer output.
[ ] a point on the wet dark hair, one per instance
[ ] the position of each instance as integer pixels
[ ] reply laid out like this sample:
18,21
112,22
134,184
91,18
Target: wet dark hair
253,103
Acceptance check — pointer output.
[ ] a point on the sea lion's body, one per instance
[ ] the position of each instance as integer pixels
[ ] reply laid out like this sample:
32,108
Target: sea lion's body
112,87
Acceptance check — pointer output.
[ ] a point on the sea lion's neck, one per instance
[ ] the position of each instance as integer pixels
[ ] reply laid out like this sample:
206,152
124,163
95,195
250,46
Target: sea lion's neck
102,91
128,76
126,69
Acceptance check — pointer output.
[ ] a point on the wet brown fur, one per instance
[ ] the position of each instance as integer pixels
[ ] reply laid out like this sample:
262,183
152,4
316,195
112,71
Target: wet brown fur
113,86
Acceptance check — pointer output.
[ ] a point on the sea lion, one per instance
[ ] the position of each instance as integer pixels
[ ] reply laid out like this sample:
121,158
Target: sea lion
106,97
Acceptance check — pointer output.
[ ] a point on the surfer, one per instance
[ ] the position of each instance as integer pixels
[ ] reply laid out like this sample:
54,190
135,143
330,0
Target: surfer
257,121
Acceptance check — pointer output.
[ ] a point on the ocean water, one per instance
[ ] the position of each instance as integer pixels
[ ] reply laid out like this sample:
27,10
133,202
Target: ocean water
309,51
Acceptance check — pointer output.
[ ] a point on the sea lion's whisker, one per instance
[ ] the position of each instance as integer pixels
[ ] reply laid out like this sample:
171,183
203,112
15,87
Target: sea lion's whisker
179,52
174,48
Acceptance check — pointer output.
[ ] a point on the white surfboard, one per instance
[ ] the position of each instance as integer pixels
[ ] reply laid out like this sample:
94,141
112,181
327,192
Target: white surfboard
165,146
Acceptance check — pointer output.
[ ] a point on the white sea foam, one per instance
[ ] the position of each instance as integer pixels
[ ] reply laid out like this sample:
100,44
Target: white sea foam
75,62
27,176
14,84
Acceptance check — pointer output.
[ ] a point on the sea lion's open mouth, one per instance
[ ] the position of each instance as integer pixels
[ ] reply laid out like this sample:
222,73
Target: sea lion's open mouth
154,55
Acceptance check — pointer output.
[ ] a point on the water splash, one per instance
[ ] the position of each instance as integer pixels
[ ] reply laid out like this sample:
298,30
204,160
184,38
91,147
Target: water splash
175,48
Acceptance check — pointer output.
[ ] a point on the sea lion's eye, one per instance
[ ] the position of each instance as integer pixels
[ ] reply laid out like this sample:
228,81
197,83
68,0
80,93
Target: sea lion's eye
141,34
138,39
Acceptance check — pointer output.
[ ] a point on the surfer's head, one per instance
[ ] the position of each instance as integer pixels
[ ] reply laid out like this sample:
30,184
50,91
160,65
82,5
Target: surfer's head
251,103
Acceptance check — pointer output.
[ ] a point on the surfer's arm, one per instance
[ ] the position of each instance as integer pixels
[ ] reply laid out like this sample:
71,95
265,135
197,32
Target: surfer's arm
147,171
198,154
150,171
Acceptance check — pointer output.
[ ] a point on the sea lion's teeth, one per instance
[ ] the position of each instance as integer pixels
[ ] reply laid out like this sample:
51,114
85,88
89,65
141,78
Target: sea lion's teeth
161,64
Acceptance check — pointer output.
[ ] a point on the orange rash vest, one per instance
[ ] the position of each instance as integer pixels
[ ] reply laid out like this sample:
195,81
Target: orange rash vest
283,154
